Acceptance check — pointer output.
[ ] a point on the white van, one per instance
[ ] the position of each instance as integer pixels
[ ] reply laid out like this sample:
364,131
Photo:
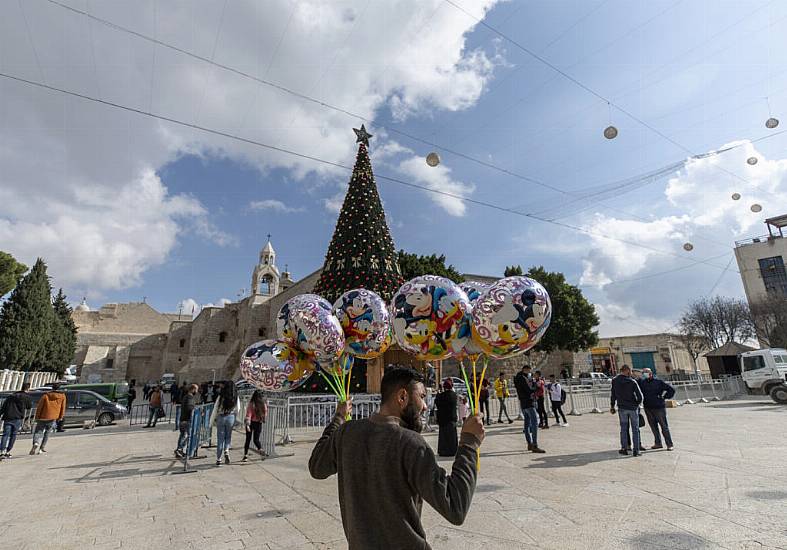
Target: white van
765,370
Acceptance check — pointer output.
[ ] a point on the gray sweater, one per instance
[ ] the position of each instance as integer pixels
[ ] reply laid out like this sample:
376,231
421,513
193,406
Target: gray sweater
385,473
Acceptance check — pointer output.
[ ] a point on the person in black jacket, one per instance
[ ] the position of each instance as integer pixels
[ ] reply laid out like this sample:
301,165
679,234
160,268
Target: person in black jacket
445,402
628,396
188,402
654,392
13,412
526,390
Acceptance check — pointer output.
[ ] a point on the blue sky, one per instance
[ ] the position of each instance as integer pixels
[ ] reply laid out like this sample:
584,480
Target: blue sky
123,206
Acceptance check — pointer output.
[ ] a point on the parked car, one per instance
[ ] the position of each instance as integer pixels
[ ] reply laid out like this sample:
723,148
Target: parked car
593,377
765,371
83,405
114,391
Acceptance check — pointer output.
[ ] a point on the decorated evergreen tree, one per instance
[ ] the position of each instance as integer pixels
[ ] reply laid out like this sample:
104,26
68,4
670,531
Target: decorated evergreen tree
362,252
25,322
63,336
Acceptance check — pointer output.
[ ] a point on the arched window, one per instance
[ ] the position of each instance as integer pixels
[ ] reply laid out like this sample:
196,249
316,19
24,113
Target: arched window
266,285
182,342
222,336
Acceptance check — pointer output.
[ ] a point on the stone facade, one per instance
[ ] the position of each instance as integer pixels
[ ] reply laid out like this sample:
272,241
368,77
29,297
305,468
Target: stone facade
664,352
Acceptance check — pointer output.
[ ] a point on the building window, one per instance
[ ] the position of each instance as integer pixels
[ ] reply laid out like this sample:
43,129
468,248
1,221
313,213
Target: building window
774,276
222,336
110,363
182,342
261,332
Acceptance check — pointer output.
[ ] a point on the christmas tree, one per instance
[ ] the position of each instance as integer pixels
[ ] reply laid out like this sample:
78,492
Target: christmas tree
362,252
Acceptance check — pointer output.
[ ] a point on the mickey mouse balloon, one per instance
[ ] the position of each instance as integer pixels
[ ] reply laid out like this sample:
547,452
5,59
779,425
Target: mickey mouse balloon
307,322
473,289
273,365
511,316
366,323
429,314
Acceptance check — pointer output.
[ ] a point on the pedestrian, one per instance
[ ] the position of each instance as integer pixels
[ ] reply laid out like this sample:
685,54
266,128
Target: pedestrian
502,393
540,387
564,374
654,393
526,391
203,391
483,398
174,393
386,469
13,412
431,376
446,403
464,411
216,391
146,391
557,396
50,409
430,410
188,402
154,407
225,411
628,397
132,395
256,414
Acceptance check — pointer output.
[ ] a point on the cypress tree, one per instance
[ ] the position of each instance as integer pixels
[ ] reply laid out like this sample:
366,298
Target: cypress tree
25,322
63,340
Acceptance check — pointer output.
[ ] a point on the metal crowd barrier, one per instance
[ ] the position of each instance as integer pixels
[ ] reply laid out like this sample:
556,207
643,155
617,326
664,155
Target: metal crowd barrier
199,434
139,414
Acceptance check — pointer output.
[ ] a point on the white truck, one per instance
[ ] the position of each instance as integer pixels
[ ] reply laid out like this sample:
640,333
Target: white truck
765,370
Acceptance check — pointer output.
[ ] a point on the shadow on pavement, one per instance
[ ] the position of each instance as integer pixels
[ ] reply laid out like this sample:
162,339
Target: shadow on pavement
768,495
268,514
504,453
747,405
677,540
571,461
131,460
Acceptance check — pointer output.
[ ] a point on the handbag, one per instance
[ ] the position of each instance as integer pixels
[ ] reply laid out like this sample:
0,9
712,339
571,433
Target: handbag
161,414
641,420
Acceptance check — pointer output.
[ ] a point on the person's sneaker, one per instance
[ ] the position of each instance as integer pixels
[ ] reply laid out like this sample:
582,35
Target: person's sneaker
510,421
546,426
637,454
669,448
654,447
226,457
179,453
218,463
244,459
538,450
34,450
565,424
623,452
500,421
529,446
641,448
42,450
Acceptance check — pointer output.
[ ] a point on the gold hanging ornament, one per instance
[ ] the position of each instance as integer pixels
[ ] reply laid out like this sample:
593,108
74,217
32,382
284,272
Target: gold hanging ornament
736,196
688,247
432,159
751,161
756,208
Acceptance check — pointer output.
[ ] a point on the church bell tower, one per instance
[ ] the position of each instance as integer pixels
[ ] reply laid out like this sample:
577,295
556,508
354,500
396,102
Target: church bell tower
265,280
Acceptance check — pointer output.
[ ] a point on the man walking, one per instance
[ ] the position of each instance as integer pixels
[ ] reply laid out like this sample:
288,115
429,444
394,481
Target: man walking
154,406
654,392
525,390
628,397
386,469
188,402
557,396
13,412
132,395
539,384
502,393
51,408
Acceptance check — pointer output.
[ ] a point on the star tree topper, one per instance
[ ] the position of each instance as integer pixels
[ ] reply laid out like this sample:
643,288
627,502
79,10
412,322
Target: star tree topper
362,136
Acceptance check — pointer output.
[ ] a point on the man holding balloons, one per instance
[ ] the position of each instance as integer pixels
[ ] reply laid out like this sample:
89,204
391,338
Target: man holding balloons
386,469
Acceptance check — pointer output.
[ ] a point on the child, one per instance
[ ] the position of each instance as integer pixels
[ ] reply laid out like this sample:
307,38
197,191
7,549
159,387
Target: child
557,396
463,408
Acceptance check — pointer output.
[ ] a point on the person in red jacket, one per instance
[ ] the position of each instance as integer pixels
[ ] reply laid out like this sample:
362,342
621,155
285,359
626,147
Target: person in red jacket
50,409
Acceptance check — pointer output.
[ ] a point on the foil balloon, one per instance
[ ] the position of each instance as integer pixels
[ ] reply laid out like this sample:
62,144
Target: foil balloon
366,323
274,365
511,316
429,315
473,289
307,322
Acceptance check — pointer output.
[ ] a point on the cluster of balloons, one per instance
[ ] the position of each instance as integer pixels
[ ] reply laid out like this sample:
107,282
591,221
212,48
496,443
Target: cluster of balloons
430,317
312,334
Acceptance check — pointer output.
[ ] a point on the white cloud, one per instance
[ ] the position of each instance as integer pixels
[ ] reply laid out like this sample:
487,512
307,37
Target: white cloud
439,178
275,205
78,179
190,306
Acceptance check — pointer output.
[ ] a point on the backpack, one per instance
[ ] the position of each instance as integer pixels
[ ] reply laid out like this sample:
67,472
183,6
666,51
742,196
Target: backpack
562,396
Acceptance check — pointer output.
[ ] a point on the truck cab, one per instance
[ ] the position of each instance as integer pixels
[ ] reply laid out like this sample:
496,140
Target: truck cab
765,370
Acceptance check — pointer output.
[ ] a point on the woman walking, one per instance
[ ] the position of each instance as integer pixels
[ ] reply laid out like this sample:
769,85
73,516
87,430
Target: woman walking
225,411
446,403
256,413
484,401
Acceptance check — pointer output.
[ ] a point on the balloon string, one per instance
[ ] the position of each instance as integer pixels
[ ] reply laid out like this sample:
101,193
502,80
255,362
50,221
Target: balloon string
467,384
475,389
330,383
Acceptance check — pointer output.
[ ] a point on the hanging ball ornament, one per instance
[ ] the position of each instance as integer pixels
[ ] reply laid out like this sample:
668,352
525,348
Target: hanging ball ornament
772,123
751,161
432,159
756,207
736,196
610,132
688,247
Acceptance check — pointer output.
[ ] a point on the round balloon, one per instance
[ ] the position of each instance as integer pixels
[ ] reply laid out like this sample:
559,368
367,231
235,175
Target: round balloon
473,289
511,316
429,314
274,365
365,321
307,322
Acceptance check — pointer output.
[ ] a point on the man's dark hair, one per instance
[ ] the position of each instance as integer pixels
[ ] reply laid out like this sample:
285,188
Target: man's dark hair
55,386
625,367
397,378
538,372
26,386
551,375
524,367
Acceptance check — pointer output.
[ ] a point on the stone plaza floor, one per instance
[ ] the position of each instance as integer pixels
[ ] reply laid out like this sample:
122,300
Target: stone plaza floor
724,486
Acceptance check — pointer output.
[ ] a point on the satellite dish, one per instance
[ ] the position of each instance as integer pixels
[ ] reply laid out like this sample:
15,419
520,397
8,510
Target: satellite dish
772,123
688,247
751,161
756,207
432,159
736,196
610,132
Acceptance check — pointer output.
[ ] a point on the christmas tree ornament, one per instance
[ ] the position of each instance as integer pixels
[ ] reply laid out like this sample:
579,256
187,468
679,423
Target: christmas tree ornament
362,136
511,316
366,322
432,159
274,365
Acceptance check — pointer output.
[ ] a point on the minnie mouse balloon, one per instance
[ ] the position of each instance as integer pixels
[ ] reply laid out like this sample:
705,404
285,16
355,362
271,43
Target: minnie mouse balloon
307,322
429,314
511,316
273,365
366,323
473,289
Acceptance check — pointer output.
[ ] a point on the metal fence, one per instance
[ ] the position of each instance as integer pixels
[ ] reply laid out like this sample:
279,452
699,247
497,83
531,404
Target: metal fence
139,414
